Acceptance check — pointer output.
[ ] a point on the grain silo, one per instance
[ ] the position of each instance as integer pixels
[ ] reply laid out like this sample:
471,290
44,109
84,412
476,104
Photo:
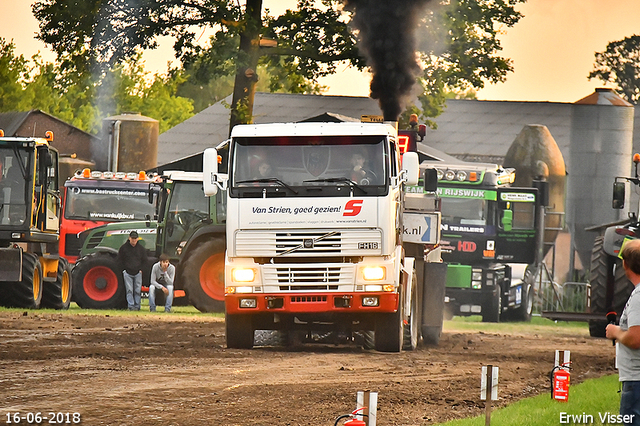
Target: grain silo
600,150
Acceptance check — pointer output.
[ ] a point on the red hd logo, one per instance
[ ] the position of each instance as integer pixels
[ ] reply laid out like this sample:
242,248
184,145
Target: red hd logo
352,208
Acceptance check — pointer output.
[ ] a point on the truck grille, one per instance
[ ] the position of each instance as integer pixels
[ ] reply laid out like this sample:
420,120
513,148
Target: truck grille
311,277
360,242
72,244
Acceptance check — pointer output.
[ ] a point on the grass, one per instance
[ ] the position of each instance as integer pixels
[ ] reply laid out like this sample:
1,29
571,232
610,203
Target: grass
537,325
74,309
592,397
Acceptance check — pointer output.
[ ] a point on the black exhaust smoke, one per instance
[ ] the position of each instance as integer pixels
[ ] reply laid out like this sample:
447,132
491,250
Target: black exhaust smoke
387,35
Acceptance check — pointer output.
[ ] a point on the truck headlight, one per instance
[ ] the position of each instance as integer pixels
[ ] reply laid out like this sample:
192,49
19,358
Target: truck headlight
248,303
373,287
373,273
243,275
476,276
370,301
476,284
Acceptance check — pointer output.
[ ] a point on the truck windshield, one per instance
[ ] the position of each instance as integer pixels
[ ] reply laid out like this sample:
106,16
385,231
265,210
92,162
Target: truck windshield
464,211
107,203
14,167
304,166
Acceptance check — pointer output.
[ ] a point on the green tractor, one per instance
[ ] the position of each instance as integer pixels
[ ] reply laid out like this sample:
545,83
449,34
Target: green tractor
189,228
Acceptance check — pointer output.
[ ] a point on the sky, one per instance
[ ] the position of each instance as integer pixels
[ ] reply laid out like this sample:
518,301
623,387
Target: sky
552,47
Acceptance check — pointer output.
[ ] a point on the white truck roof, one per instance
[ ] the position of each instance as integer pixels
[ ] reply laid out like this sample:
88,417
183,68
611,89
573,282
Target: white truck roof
314,129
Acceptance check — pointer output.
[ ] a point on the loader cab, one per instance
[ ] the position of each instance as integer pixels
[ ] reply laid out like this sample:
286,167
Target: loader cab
29,195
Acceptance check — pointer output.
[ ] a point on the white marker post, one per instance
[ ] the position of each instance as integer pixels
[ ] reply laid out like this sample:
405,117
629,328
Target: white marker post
371,408
489,380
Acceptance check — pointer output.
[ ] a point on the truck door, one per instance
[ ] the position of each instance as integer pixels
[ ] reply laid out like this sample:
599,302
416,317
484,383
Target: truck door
516,225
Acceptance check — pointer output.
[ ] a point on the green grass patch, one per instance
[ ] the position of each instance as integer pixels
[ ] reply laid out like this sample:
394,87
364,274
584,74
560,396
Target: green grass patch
74,309
537,325
593,397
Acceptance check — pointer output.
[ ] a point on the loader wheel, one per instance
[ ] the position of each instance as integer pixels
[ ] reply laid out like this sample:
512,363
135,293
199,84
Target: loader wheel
98,283
28,292
204,276
239,331
605,268
411,331
389,330
58,295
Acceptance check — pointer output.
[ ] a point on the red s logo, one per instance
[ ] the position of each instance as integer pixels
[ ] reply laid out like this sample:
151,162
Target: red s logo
352,208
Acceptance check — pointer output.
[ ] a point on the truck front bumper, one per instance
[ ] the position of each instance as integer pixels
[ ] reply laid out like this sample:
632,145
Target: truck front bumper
466,301
309,303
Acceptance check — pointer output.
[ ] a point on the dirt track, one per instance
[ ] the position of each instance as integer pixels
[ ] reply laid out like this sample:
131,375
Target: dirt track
175,370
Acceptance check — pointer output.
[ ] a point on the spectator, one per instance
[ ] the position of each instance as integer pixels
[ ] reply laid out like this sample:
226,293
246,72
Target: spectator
132,258
628,336
162,276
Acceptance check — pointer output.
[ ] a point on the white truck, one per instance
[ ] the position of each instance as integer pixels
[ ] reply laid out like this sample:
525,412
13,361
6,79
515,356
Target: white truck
316,220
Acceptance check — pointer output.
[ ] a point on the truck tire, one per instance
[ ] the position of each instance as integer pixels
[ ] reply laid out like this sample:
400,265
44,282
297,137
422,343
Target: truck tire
28,292
603,269
57,295
524,311
433,306
389,330
494,307
239,331
411,330
204,276
98,283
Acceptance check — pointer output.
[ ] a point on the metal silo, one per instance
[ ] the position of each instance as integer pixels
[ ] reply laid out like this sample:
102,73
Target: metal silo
535,155
600,150
129,143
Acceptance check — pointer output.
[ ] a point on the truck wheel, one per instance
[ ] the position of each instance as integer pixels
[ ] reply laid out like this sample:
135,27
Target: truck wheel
28,292
389,330
433,306
58,295
494,307
523,313
239,331
204,276
98,283
411,330
603,269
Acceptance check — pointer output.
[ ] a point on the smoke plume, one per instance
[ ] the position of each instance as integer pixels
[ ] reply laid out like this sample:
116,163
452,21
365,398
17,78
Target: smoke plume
387,38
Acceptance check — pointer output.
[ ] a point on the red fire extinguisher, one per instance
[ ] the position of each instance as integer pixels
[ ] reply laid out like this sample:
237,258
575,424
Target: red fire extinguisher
354,421
560,378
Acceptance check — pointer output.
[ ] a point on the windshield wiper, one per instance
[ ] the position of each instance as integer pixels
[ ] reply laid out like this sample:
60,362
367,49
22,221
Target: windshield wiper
269,180
339,180
315,240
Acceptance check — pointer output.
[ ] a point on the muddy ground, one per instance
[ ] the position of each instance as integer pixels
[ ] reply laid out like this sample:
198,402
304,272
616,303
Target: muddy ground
170,369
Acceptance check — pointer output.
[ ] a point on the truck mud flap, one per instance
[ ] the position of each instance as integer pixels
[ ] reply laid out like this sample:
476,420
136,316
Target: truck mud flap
434,280
10,264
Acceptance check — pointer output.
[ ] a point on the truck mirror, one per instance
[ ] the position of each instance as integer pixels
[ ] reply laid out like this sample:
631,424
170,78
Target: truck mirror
210,171
507,220
618,195
430,180
411,165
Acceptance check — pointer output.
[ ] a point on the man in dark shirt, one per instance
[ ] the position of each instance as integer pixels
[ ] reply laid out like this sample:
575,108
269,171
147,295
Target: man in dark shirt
132,257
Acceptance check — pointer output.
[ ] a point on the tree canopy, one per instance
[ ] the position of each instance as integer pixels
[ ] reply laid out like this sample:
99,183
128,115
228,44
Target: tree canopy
620,64
458,41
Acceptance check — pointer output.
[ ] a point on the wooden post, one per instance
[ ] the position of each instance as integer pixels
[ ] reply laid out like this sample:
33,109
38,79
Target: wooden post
489,389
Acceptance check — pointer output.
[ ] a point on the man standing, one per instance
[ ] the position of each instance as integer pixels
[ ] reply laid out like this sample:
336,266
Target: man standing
132,257
162,275
628,337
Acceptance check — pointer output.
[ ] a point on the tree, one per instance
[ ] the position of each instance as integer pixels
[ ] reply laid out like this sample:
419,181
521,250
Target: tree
620,64
459,51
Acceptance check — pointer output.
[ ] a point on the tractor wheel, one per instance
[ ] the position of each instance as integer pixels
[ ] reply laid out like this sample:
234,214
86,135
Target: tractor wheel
203,274
58,295
411,330
28,292
98,283
389,330
492,310
603,269
239,331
